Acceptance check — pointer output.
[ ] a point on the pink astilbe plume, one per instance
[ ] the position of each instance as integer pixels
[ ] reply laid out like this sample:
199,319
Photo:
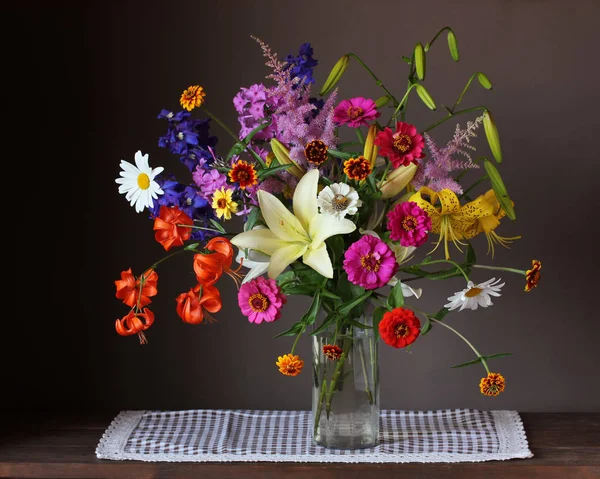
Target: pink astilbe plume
436,171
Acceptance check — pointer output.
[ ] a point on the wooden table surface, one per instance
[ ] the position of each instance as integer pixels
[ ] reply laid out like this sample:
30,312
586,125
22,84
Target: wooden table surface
565,446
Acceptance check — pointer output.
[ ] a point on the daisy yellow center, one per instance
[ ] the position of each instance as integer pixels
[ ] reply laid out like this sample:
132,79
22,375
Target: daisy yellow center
258,302
409,223
354,112
402,142
401,330
370,262
339,202
473,292
143,181
222,203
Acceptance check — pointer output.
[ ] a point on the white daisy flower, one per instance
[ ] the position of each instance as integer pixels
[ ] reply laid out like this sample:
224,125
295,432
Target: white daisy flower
137,182
339,200
475,295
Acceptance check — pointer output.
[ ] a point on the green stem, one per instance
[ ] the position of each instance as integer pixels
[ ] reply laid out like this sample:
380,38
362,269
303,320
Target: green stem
404,99
296,341
377,80
464,91
360,136
464,193
483,361
317,417
437,35
336,374
453,114
501,268
364,368
446,261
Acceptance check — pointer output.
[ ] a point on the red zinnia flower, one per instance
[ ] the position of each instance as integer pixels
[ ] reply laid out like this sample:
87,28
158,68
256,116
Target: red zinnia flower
192,308
399,327
244,174
135,323
169,227
128,288
403,147
332,351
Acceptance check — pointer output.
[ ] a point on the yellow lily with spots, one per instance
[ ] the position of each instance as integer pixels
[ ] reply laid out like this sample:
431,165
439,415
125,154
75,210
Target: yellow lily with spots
488,224
289,236
449,219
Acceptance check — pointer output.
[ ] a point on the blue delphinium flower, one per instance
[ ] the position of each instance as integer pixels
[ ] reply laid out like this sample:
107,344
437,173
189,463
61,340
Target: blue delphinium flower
302,65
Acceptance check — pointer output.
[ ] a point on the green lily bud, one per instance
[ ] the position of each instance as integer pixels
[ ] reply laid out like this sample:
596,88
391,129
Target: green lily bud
453,45
283,157
420,61
397,180
382,101
499,189
335,74
484,80
491,132
425,96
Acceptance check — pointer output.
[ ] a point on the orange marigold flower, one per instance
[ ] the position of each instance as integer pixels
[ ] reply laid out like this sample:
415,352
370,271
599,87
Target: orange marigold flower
194,305
357,168
135,323
332,351
532,276
492,385
316,152
290,364
192,97
244,174
129,290
169,227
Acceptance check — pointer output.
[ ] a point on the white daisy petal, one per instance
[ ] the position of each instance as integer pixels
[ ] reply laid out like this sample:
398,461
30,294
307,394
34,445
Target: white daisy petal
140,197
475,295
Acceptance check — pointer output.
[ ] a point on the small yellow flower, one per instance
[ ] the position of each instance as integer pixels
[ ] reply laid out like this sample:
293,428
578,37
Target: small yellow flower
532,276
223,204
290,364
192,97
492,385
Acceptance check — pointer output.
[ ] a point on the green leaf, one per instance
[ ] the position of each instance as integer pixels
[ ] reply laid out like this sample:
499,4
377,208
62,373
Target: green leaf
341,154
217,225
395,298
470,257
441,314
336,246
420,61
262,174
286,276
346,289
478,360
484,81
296,329
248,138
499,189
406,59
235,150
468,363
453,46
252,219
425,96
426,327
192,246
299,290
358,324
330,295
311,314
327,322
345,308
499,355
377,317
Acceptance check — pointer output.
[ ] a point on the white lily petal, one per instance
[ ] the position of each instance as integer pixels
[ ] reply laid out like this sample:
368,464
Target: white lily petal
324,226
319,260
280,220
305,198
408,291
256,271
263,240
285,256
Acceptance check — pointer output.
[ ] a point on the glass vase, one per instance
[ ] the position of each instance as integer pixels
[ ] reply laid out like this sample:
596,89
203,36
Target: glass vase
345,396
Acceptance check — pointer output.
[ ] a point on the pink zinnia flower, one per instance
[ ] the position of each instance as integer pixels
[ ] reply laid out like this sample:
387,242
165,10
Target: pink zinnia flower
355,112
261,300
370,263
403,147
409,224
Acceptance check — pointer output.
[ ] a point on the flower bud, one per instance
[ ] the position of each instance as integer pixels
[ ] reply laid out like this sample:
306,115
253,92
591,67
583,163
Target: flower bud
371,150
484,81
425,96
491,132
420,61
283,156
336,73
453,45
382,101
397,180
499,189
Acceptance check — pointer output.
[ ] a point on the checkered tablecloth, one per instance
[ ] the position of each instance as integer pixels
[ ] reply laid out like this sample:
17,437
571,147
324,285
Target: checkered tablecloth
208,435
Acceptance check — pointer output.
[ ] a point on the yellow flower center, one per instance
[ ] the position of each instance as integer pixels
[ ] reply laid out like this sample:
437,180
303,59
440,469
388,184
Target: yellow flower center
143,181
258,302
409,223
402,142
473,292
401,330
370,262
339,202
354,112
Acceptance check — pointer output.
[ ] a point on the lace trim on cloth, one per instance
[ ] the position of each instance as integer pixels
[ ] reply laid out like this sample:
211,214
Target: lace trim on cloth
444,436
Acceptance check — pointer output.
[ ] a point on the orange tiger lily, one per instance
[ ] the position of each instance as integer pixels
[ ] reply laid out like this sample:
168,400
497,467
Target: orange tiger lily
192,306
135,323
129,290
224,246
169,227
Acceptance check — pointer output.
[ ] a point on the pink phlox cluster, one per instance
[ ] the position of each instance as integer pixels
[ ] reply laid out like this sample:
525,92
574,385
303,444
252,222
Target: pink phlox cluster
253,104
435,172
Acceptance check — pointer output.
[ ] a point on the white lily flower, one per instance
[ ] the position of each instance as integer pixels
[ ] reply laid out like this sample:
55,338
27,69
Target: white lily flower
291,236
257,262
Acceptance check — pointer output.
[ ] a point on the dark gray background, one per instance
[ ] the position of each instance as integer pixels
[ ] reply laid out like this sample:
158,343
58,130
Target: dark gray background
85,88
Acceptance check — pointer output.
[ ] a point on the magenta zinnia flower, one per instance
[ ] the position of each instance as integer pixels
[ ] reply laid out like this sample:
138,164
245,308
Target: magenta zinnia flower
370,263
403,147
261,300
355,112
409,224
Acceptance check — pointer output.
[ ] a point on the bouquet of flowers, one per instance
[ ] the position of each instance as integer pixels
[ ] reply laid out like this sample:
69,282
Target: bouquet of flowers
341,222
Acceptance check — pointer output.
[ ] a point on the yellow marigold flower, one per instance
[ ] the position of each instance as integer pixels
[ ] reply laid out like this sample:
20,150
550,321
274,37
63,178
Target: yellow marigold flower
532,276
492,385
192,97
357,168
290,364
244,174
223,204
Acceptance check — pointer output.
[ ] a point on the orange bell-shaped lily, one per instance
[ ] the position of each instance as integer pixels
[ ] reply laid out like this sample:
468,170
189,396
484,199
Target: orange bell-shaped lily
135,323
137,291
194,305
